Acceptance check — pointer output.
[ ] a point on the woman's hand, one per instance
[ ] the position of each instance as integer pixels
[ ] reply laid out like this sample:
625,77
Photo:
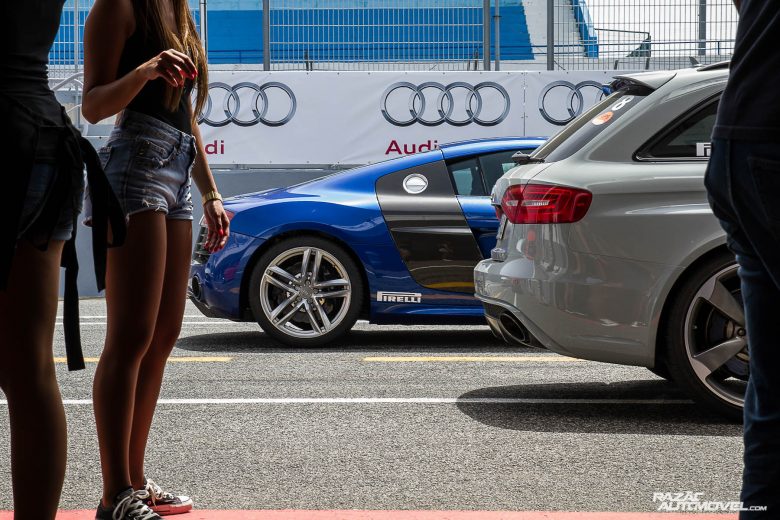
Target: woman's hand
218,225
172,66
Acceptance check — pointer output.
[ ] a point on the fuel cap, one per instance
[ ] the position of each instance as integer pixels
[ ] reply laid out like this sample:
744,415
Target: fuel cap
415,183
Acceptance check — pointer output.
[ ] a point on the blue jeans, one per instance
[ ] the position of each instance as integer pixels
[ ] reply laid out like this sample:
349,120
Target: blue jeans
39,190
743,183
148,164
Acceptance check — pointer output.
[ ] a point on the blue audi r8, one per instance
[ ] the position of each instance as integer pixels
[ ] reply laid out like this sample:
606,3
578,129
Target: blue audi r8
394,242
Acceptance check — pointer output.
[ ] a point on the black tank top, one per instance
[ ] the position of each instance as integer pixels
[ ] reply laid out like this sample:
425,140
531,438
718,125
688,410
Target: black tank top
139,48
29,28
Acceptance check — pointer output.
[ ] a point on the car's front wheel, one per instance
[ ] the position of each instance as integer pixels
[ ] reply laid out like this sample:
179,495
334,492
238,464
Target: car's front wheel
306,291
707,344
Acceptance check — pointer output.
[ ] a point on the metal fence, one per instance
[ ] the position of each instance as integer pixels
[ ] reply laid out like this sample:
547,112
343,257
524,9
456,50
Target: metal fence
67,54
639,34
444,34
383,35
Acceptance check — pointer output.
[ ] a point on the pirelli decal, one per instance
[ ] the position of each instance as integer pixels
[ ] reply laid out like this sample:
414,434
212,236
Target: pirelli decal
398,297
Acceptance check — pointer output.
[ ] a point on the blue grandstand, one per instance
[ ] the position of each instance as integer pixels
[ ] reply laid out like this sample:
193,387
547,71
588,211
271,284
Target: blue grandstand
355,31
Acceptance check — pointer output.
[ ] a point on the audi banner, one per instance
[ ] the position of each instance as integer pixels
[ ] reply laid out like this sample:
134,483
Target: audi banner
289,119
553,99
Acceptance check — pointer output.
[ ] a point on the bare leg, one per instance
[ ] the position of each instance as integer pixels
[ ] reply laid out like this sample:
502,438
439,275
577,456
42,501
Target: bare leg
134,282
166,332
38,432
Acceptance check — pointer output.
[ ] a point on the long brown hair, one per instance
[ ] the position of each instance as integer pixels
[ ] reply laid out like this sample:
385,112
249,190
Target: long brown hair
186,40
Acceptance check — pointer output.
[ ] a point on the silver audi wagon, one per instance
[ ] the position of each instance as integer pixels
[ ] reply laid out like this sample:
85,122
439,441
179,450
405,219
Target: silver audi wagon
608,249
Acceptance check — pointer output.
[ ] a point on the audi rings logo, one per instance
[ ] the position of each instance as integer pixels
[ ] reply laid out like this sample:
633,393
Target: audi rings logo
457,104
561,101
247,104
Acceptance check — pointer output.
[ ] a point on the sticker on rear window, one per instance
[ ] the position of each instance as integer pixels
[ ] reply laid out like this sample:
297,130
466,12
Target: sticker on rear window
602,119
622,103
703,149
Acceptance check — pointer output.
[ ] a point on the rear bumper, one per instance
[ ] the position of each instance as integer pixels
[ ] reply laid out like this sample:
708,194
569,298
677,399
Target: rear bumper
205,309
215,286
586,306
504,324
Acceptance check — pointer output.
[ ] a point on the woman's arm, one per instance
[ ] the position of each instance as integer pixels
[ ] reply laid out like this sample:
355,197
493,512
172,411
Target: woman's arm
217,220
108,26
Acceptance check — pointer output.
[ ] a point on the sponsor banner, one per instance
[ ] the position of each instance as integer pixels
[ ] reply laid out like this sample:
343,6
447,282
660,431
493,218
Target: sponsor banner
555,98
290,118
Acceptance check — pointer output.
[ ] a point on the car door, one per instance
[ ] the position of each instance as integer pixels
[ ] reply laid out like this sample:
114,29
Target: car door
422,213
474,178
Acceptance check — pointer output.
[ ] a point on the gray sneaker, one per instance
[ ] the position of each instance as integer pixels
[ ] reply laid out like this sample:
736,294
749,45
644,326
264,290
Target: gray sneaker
128,505
165,503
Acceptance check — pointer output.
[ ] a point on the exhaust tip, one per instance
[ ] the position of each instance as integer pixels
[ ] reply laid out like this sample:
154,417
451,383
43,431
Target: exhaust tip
513,329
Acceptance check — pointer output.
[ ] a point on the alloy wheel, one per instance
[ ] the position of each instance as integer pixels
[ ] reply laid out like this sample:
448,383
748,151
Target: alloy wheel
305,292
716,341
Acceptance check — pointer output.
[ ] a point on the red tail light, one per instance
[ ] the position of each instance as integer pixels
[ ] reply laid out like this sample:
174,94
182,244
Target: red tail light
545,204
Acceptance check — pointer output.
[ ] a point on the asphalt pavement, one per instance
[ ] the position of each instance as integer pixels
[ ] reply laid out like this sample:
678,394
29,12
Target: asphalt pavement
400,418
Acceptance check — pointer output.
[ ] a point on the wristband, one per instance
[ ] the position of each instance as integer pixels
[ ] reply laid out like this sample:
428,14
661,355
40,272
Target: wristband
212,195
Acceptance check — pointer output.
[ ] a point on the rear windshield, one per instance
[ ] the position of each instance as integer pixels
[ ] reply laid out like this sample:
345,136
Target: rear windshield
587,126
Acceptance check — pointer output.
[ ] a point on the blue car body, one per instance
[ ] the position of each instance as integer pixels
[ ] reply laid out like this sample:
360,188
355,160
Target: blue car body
362,211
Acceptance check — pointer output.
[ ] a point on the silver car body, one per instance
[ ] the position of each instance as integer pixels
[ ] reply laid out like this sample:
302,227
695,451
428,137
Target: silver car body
596,289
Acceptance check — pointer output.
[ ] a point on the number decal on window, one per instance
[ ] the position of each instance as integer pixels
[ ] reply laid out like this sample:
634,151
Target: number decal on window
622,103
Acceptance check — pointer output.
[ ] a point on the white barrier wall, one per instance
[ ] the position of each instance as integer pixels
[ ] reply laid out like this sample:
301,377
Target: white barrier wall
345,118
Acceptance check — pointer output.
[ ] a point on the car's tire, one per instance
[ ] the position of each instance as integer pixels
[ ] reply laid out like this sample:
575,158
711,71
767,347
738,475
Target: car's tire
661,371
706,313
332,297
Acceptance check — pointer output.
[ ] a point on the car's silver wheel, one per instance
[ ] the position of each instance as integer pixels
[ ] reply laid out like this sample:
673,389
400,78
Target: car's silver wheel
706,345
305,292
716,339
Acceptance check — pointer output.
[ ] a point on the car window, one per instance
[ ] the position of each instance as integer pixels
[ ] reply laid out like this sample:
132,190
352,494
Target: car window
467,177
476,176
689,139
495,165
587,126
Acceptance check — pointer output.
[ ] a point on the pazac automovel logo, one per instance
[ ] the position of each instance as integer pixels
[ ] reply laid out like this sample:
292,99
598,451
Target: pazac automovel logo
575,101
230,110
457,104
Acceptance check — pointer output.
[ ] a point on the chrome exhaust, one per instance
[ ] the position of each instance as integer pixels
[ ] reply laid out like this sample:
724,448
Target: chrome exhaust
513,330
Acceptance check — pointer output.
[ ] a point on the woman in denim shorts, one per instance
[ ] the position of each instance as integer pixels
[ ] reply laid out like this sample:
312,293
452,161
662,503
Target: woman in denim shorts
142,60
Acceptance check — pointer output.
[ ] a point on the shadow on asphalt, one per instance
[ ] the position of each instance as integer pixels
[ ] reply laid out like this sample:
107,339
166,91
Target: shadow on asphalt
684,418
452,341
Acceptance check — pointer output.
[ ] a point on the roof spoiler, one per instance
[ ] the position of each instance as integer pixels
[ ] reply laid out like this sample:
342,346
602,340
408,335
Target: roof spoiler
649,80
721,65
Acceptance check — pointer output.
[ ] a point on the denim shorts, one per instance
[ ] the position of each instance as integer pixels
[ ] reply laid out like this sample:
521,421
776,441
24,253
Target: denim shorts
148,164
39,190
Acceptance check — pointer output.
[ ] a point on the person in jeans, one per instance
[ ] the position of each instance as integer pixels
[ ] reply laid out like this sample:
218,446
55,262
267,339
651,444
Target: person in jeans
142,60
743,183
43,180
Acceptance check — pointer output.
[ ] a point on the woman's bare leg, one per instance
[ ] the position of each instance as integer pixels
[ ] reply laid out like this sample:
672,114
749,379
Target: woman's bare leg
38,433
134,283
166,332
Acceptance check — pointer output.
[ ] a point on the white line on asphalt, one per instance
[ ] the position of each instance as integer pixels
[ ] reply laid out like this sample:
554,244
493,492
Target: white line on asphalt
220,322
103,316
399,400
547,358
171,359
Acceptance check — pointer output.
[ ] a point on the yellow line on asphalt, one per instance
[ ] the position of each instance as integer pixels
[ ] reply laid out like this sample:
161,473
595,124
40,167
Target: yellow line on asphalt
177,359
471,359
